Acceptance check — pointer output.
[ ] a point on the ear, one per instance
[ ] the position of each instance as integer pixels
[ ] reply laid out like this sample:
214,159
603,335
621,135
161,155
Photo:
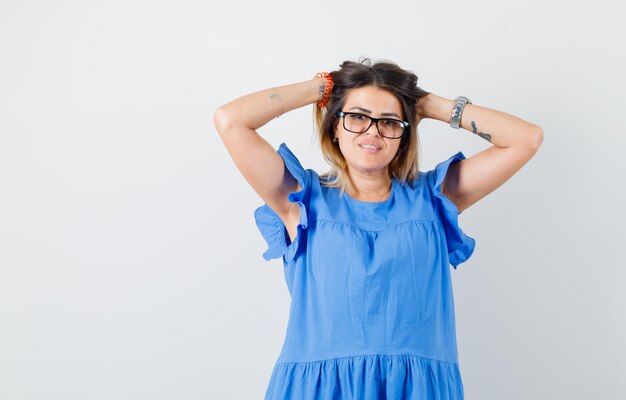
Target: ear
335,128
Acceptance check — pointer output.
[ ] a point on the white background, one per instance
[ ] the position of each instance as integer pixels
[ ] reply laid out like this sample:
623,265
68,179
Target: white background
130,264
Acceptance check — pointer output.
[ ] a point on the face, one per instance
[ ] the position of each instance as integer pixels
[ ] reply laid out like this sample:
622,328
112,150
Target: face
374,102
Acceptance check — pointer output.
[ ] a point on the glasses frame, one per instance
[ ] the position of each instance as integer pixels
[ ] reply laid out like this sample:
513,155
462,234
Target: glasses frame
373,120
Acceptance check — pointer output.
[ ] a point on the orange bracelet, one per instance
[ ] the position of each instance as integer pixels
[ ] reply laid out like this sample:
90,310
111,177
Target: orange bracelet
327,89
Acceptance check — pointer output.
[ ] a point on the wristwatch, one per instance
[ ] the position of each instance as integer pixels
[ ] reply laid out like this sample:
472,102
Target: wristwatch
455,119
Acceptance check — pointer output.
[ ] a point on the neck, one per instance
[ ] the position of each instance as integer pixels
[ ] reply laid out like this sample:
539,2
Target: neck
372,188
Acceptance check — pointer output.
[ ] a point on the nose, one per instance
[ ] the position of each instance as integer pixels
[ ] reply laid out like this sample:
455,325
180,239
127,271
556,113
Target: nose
373,128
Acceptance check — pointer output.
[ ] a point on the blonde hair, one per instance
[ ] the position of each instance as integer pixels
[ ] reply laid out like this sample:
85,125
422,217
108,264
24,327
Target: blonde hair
388,76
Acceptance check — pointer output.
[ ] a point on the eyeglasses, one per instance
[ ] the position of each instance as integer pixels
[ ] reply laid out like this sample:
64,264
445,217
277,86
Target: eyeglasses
359,123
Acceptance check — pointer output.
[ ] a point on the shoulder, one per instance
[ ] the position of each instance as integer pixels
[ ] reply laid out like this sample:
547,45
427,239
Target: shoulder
304,176
415,184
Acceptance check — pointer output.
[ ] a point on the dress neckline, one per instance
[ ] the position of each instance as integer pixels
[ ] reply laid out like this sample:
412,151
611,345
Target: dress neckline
374,203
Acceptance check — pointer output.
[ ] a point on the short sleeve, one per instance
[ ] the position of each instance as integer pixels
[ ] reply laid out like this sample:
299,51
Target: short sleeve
269,223
460,246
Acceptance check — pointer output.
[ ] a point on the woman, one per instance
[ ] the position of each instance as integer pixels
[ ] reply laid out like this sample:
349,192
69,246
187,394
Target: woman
366,246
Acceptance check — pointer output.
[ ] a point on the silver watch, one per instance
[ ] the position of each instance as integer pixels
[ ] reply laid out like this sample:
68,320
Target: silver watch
457,111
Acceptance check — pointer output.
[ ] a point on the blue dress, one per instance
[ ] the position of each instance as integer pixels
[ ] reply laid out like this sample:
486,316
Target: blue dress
372,311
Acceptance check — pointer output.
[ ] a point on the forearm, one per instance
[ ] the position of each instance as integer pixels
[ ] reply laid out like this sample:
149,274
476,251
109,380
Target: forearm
257,109
497,127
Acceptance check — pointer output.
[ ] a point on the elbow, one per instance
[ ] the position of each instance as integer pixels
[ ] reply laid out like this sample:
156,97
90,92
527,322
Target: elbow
222,120
536,138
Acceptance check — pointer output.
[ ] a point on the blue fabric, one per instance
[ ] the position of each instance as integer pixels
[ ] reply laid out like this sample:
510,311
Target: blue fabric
372,311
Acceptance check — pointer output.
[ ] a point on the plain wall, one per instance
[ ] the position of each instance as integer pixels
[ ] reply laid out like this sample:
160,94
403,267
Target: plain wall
130,264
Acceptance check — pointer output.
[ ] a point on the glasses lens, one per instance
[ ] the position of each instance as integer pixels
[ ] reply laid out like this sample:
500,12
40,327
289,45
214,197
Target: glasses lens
390,128
356,122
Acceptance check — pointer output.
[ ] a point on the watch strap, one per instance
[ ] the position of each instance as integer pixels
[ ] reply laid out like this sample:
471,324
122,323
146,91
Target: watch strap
457,111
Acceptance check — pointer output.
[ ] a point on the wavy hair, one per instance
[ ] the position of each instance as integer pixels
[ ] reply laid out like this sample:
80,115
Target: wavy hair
385,75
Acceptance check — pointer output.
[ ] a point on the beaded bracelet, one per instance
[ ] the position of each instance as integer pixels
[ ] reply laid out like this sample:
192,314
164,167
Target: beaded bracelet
327,88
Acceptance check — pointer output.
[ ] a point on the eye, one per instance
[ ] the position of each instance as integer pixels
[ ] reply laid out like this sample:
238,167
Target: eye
358,117
390,122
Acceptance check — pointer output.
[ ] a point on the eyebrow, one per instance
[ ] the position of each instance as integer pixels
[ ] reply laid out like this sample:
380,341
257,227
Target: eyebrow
365,110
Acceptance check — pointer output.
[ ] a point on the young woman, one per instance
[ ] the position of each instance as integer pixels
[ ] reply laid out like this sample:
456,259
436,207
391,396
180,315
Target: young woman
366,247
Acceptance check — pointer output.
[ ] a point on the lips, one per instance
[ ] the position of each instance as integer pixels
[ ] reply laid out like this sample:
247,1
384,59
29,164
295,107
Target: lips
369,147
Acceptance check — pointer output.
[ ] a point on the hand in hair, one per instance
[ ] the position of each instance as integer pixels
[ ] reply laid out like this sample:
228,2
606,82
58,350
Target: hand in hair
420,109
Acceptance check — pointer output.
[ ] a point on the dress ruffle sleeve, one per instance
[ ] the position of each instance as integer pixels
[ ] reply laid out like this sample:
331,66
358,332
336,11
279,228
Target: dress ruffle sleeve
460,245
269,223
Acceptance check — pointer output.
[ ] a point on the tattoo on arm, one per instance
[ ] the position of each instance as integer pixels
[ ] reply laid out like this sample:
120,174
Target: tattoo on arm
322,87
483,135
275,97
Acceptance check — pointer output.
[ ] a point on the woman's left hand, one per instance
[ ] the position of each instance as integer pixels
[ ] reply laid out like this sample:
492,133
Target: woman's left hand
420,108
